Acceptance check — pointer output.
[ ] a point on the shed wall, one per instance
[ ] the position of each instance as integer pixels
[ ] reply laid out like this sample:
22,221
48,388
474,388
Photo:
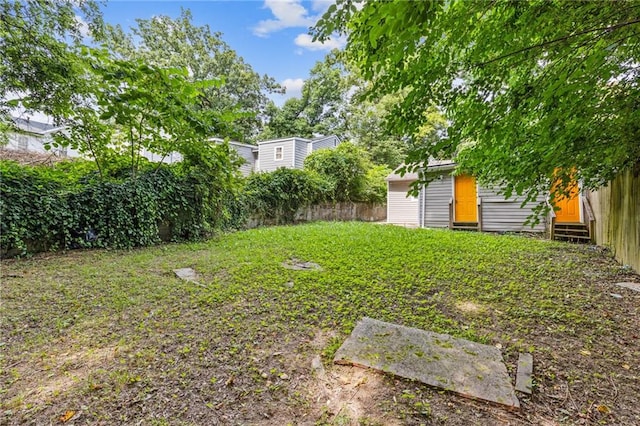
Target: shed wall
500,215
401,210
436,198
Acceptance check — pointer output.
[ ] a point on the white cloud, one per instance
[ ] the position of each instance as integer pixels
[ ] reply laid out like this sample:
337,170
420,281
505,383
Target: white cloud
293,87
287,13
306,41
321,6
83,27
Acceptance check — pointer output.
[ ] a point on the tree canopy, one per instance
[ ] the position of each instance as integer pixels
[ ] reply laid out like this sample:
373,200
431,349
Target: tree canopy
533,90
38,63
166,42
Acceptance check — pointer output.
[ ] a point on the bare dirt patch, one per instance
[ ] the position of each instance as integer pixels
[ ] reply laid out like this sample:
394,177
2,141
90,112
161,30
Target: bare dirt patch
39,381
111,337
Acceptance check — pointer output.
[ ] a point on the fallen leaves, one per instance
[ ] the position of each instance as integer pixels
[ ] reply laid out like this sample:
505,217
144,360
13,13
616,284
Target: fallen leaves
67,416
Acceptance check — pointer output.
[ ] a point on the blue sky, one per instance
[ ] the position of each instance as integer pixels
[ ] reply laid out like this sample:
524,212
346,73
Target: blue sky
271,35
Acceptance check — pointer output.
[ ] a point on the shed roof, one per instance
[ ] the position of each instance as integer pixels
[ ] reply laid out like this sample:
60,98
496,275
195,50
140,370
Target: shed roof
433,166
35,127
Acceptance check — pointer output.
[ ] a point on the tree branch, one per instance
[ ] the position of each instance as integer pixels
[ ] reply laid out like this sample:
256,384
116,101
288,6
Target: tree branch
560,39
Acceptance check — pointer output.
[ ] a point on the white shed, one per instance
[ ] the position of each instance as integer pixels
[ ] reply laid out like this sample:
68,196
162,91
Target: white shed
402,209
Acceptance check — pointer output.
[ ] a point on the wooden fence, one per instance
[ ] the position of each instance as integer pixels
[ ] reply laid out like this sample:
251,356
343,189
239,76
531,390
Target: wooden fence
616,208
364,212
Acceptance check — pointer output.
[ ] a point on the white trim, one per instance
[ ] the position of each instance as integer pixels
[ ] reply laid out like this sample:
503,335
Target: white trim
281,140
388,203
453,198
421,207
580,212
275,153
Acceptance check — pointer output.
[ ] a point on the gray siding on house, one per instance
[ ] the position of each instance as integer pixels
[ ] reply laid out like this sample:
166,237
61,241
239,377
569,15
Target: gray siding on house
266,155
499,214
246,153
401,210
436,201
328,142
302,150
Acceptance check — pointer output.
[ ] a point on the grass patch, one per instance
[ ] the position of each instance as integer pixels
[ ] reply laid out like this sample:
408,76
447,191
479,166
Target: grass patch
115,336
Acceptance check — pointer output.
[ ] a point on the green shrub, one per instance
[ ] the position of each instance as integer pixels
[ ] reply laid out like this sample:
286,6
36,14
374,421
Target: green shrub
350,172
280,194
67,206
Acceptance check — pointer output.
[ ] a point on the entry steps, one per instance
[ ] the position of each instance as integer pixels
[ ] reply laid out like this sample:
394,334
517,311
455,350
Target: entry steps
573,232
465,226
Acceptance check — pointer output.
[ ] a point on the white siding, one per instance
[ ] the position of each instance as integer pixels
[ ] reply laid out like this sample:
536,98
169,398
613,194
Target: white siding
436,198
401,210
301,152
328,142
266,155
503,215
246,153
35,143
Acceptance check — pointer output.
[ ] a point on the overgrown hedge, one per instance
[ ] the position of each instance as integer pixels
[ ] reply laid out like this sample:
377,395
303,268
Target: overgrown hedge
44,208
69,206
278,195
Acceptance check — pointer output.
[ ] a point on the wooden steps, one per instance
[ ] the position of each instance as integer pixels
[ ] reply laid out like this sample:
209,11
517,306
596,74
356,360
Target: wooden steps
573,232
465,226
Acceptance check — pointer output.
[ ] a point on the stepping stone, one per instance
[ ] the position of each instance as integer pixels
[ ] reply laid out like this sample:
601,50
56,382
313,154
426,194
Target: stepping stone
630,286
467,368
299,265
524,381
187,274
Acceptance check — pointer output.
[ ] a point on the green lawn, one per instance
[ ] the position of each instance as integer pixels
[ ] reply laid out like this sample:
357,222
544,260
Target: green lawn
113,337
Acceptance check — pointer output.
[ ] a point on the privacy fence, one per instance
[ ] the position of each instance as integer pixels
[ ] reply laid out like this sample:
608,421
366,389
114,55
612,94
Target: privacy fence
617,212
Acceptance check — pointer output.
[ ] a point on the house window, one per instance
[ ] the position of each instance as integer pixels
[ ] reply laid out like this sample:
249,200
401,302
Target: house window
23,142
278,153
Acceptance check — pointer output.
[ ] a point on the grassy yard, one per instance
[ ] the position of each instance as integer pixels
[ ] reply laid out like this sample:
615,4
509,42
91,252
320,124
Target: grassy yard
113,337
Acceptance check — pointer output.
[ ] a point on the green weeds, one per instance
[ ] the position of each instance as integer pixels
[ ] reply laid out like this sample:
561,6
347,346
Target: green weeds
252,317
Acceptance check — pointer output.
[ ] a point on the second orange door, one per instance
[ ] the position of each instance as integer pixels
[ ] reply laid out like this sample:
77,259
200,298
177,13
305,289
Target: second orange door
465,196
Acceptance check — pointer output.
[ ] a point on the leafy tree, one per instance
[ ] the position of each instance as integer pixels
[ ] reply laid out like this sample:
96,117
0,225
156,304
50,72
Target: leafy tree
129,106
39,63
286,121
325,95
169,43
533,89
345,167
320,110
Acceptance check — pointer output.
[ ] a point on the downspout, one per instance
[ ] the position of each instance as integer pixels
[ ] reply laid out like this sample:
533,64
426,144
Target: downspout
388,185
423,205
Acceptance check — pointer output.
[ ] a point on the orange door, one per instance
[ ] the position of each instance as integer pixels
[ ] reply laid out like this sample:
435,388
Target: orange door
465,196
569,208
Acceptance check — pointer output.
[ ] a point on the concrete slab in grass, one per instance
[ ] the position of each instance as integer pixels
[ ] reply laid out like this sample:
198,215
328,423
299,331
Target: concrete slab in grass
187,274
630,286
524,373
467,368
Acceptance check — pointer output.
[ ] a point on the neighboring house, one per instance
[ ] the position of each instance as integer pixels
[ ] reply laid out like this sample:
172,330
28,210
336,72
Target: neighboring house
290,152
32,135
249,153
457,202
265,157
